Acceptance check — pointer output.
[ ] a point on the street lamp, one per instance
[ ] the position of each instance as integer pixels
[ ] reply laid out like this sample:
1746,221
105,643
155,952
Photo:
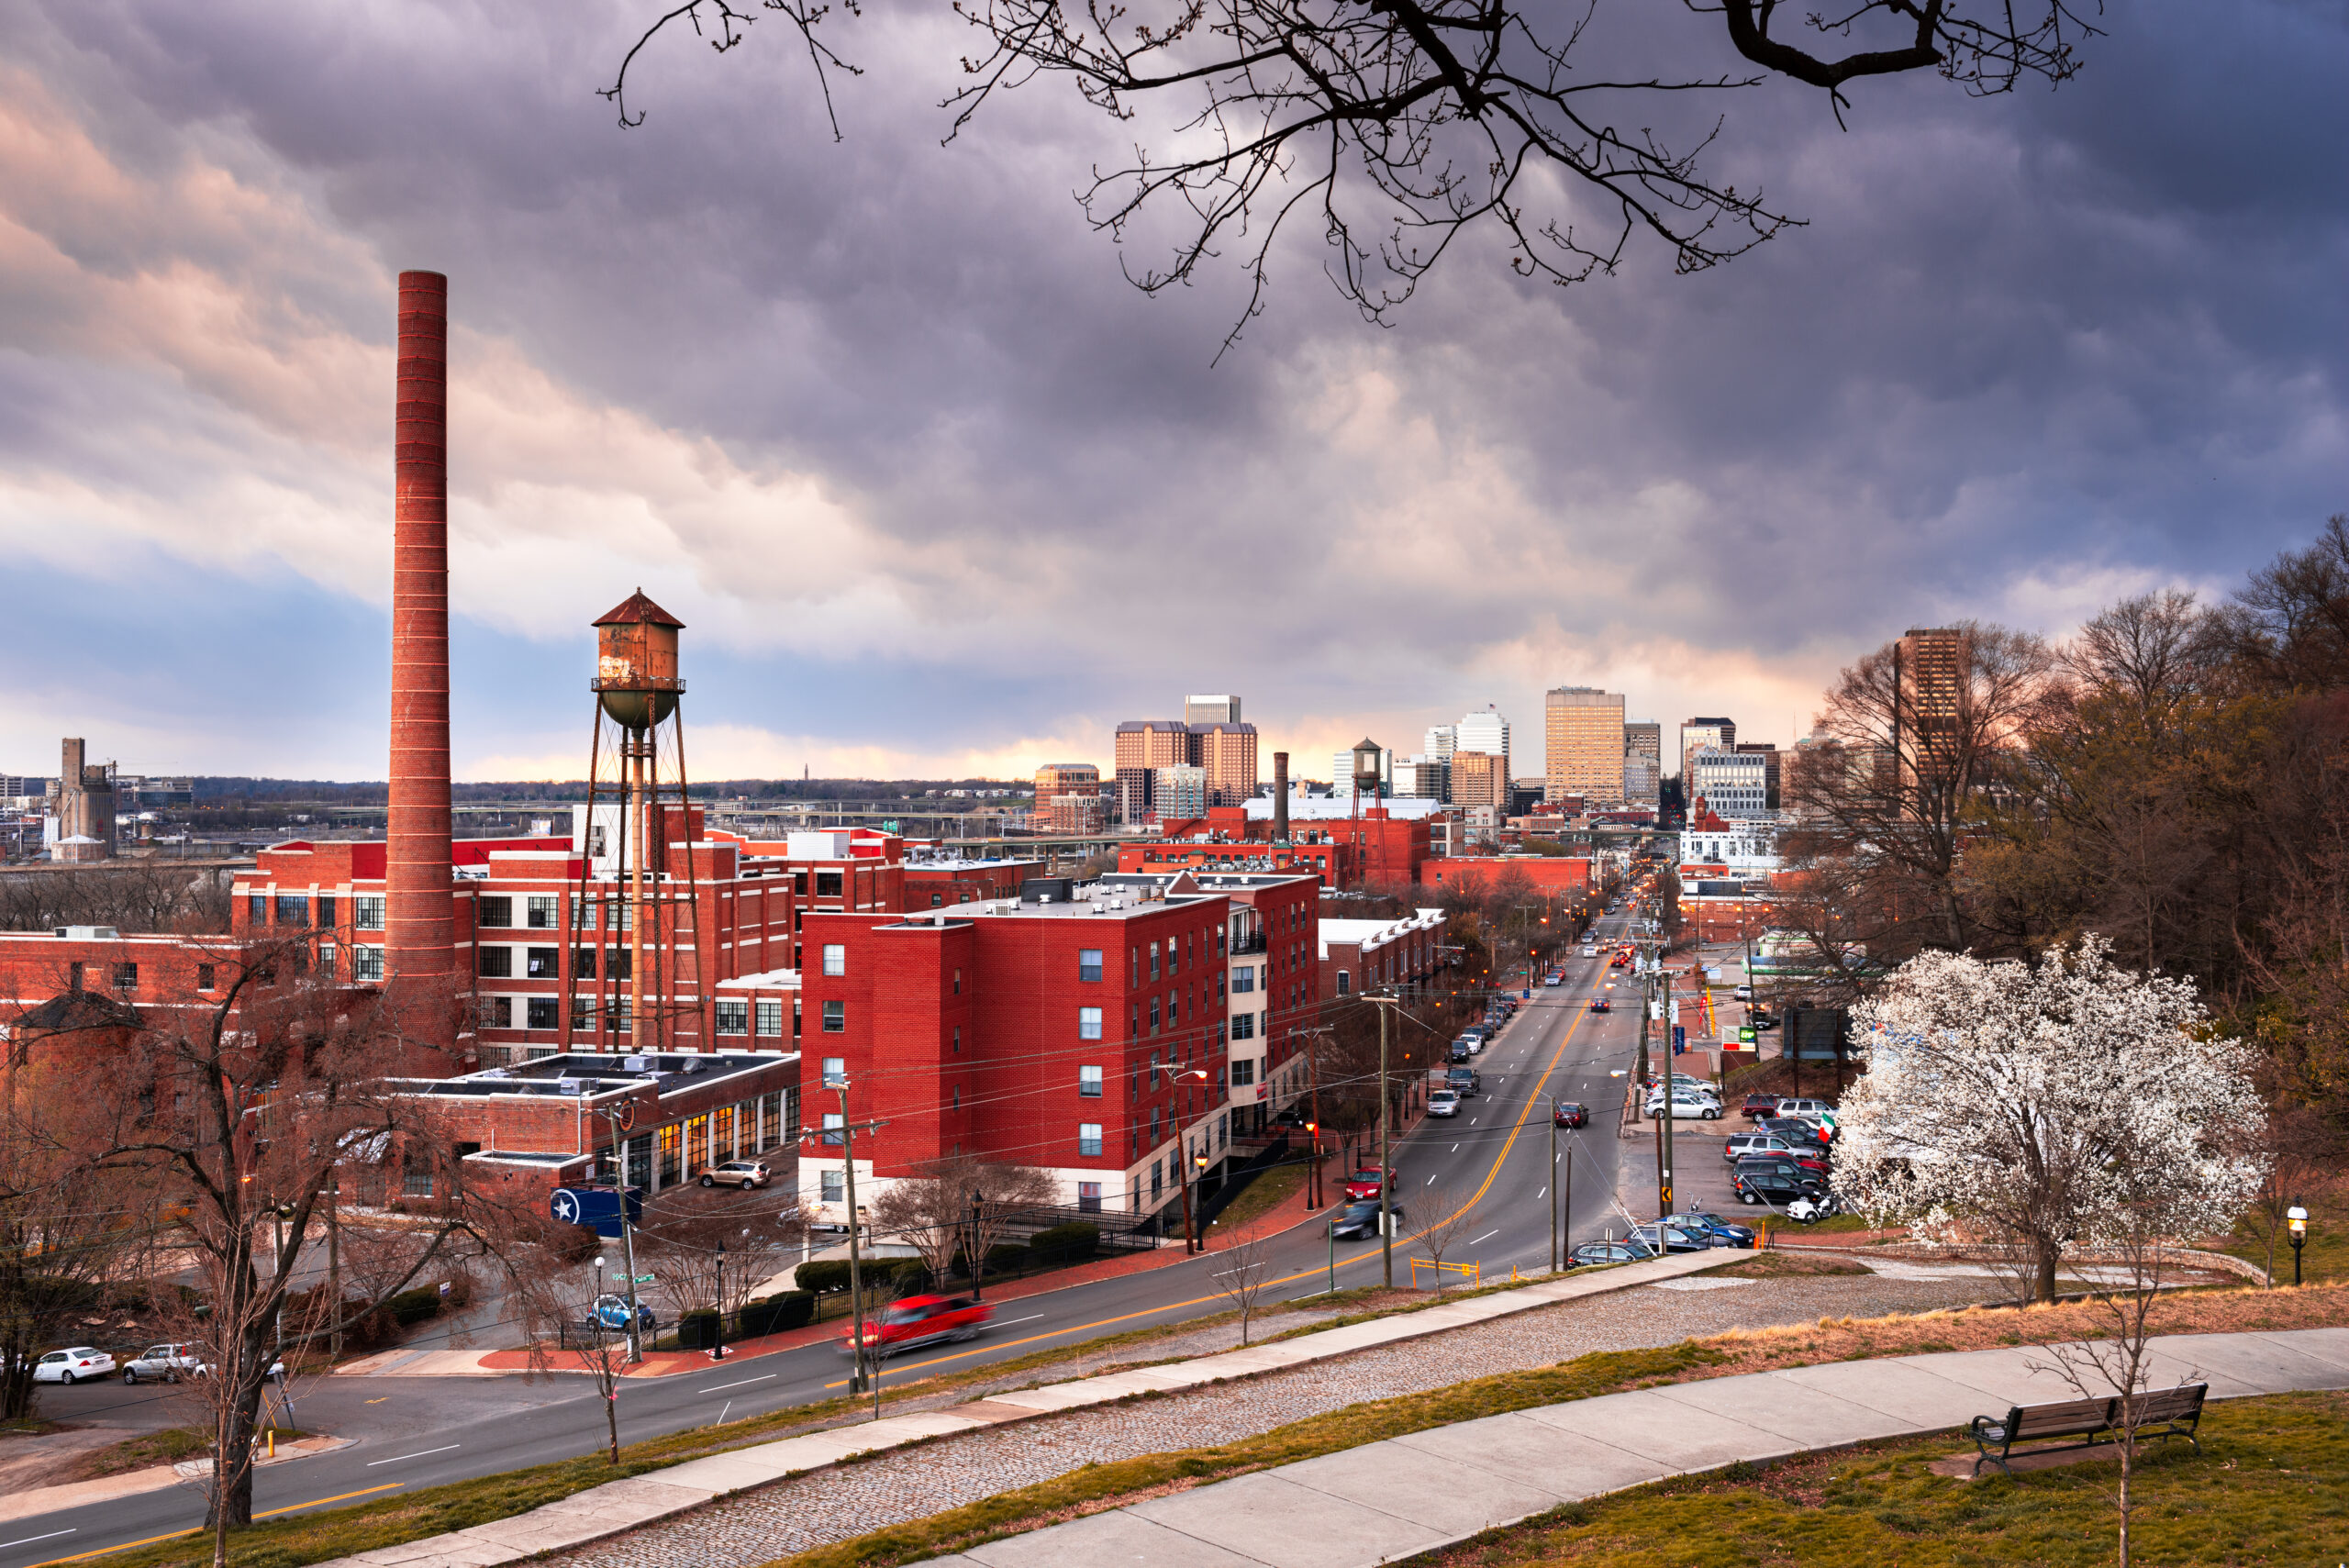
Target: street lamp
1183,1172
2297,1217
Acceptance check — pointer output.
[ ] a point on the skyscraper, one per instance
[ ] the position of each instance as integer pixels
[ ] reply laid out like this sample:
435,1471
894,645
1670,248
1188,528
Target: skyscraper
1695,734
1442,739
1487,732
1582,734
1479,778
1931,696
1642,739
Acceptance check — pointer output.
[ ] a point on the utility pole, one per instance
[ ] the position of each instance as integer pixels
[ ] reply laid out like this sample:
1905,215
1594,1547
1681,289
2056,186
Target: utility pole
334,1264
1553,1186
619,1120
1385,1165
1663,1168
860,1375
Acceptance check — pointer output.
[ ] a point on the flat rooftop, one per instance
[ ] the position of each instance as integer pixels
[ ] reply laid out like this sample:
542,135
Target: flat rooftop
585,1074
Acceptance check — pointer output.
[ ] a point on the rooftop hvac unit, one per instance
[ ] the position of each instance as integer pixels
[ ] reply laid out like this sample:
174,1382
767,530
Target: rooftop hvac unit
636,1063
571,1085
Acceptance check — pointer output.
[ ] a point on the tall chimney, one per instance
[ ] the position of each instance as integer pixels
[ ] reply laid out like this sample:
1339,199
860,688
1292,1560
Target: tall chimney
417,925
1280,797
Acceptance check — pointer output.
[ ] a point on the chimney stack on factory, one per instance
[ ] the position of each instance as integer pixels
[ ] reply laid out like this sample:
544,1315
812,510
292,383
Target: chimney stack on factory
419,925
1280,797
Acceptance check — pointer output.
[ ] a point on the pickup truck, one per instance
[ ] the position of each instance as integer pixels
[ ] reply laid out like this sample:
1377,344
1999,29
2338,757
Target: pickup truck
914,1320
1465,1082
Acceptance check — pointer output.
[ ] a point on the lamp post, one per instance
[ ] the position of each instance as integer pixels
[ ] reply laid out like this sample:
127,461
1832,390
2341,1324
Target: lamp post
718,1322
1191,1243
2297,1217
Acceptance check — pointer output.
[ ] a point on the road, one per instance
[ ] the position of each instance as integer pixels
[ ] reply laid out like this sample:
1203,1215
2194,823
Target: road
1495,1156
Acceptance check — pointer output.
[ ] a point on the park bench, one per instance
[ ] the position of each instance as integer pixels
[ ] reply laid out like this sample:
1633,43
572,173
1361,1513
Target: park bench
2160,1413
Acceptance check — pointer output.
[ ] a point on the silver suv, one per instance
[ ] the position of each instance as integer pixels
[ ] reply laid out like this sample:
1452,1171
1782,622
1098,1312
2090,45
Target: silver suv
1809,1110
164,1363
1740,1144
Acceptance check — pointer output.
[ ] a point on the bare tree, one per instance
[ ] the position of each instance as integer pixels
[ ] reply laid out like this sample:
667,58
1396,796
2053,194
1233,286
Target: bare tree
1444,1208
1247,1263
238,1108
2298,1145
1393,125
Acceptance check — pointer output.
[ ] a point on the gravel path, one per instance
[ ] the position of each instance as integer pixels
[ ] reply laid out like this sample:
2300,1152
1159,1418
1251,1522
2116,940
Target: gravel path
849,1500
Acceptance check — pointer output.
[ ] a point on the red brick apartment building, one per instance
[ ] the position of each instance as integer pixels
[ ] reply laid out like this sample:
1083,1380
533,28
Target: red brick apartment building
1366,955
1549,873
1344,851
1083,1030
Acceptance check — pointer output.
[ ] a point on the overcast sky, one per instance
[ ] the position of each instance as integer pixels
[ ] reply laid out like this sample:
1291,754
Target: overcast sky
937,492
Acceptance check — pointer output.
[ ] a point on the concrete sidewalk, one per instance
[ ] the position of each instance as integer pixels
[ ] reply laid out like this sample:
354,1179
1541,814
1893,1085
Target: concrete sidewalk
626,1505
1409,1494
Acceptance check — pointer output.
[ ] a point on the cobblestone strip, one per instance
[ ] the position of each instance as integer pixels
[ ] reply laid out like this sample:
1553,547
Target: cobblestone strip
834,1505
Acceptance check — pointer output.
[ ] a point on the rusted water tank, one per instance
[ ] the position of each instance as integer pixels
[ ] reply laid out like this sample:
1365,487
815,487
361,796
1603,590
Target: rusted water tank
636,662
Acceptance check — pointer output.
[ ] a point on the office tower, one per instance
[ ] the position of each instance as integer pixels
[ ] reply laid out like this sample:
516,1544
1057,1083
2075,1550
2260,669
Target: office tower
1341,772
1694,735
1479,778
1582,734
1931,694
1768,751
1487,732
1643,740
1223,709
1144,745
1226,753
1732,783
1441,741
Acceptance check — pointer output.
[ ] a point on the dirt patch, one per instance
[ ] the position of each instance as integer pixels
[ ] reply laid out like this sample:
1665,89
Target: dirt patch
1776,1265
52,1459
142,1452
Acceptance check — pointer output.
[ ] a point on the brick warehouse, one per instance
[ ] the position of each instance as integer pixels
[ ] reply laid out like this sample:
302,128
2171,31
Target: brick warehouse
1083,1030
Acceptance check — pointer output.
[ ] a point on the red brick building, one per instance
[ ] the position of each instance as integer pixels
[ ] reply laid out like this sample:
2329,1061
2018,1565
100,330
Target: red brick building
1368,955
1550,874
1376,846
1083,1030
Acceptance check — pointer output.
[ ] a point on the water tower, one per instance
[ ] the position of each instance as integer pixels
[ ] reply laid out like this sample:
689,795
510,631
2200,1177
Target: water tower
636,726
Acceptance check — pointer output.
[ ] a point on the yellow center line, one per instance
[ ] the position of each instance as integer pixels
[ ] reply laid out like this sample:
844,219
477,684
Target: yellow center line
1555,1058
172,1535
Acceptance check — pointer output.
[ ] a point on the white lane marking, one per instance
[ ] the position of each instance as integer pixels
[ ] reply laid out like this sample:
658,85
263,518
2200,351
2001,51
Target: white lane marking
1485,1237
720,1388
1008,1322
1431,1181
1456,1148
52,1535
1545,1191
721,1412
419,1453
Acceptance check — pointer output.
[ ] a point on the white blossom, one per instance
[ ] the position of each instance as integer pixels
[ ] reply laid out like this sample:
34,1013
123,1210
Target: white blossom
2046,1105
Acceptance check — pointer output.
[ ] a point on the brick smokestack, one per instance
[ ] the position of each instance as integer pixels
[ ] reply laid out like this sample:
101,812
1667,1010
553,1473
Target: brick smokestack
1280,797
417,925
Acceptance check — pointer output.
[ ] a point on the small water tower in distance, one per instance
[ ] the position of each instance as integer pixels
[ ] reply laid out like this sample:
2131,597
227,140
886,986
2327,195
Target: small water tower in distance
637,689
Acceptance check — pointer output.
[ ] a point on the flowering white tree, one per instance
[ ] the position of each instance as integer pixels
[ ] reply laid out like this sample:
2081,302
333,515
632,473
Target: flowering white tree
2066,1103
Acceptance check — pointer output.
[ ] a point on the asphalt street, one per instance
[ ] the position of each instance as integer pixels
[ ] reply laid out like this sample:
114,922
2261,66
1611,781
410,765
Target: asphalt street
1495,1157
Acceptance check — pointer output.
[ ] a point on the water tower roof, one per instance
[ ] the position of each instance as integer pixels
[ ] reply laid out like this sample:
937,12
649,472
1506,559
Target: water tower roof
636,609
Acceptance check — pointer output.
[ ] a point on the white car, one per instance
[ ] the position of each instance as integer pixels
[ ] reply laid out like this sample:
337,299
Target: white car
76,1365
1443,1101
1590,952
164,1363
1684,1107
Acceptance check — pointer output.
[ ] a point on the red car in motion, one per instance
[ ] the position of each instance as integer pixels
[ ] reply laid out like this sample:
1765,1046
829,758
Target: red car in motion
914,1320
1364,1183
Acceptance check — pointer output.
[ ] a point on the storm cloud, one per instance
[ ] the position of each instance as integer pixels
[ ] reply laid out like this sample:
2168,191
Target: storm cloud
937,490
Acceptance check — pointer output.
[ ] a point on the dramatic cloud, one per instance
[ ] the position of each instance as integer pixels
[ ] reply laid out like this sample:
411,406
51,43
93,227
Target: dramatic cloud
937,490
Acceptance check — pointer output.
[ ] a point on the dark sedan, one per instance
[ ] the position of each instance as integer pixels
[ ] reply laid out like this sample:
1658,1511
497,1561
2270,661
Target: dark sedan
1801,1167
1768,1186
1601,1005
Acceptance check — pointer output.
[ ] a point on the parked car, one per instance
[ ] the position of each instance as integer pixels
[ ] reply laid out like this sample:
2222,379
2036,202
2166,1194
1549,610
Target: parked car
1808,1167
914,1320
1458,1051
1364,1183
1292,1117
1611,1253
742,1173
1685,1107
77,1365
611,1311
1554,978
1811,1211
1465,1082
1738,1145
1443,1101
1806,1110
276,1373
1768,1186
1759,1105
164,1363
1742,994
1677,1239
1359,1221
1701,1219
1570,1113
1796,1131
1601,1005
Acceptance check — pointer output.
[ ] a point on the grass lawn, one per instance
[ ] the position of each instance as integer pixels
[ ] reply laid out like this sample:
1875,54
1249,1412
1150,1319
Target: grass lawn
1271,1189
2326,1256
2271,1486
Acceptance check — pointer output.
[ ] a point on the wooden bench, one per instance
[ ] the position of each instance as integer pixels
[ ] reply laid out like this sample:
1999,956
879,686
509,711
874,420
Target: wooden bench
2160,1413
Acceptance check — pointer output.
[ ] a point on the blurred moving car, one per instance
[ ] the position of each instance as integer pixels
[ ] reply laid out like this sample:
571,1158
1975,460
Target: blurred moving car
1359,1219
1570,1113
914,1320
75,1365
1364,1183
1601,1005
1443,1101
